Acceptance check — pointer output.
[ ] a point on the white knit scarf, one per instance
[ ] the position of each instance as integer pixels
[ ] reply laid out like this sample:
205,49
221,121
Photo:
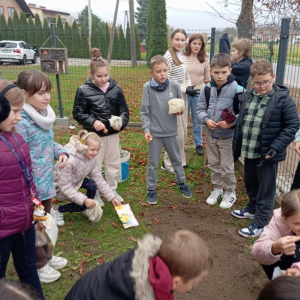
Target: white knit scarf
44,118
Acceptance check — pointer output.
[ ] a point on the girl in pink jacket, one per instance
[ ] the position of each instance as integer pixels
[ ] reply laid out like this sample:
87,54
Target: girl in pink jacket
278,248
83,149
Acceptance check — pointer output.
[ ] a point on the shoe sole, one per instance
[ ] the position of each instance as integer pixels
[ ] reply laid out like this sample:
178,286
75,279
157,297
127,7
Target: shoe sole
241,217
218,199
57,268
187,196
152,203
49,280
249,236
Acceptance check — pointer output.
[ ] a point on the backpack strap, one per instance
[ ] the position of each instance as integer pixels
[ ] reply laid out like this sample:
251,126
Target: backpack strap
207,93
236,102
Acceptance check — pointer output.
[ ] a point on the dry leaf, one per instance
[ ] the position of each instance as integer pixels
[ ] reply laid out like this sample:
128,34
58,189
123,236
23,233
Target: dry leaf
81,266
62,244
145,204
172,207
157,221
114,224
100,261
132,183
171,184
133,239
142,213
140,197
249,246
88,254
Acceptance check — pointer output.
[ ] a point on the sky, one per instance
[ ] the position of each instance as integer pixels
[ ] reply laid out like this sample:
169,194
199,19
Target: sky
188,14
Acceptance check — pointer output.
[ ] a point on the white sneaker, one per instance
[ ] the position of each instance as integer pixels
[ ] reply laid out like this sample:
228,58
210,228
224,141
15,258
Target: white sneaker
48,274
58,217
228,199
118,197
57,262
214,196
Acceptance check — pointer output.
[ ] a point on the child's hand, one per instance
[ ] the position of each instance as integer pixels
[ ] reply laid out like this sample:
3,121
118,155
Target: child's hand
148,137
285,245
211,124
179,113
89,203
115,202
224,125
63,159
292,272
297,147
98,125
40,226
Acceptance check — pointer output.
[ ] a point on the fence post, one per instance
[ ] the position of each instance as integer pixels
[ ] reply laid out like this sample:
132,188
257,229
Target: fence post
57,76
284,39
212,43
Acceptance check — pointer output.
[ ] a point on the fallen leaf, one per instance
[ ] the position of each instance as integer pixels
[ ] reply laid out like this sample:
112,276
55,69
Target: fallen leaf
88,254
132,183
249,246
100,261
140,197
157,221
62,244
82,261
171,184
145,204
142,213
172,207
133,239
114,224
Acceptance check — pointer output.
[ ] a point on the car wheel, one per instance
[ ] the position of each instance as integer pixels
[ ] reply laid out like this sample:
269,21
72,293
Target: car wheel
23,61
34,59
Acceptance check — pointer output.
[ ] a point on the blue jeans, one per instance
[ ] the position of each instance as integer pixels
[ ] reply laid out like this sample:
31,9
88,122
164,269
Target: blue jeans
22,247
197,127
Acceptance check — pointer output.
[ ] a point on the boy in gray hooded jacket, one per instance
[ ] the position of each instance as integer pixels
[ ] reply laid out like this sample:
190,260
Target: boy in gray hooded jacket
160,127
224,92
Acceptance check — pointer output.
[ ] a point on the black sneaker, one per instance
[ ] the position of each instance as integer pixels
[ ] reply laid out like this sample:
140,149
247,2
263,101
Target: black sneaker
186,166
151,197
199,150
164,169
185,190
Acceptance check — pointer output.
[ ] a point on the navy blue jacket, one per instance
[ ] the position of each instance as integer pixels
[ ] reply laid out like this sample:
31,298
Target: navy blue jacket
224,46
241,71
279,126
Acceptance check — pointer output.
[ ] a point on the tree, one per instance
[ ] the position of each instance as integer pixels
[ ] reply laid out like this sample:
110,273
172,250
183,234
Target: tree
4,30
68,39
127,43
16,22
115,50
23,26
106,41
141,18
75,40
38,32
156,38
94,37
121,43
138,43
46,34
100,39
85,53
31,31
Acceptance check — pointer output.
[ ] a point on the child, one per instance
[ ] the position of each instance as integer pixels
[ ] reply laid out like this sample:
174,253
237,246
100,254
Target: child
282,288
83,150
151,271
95,102
160,127
241,61
267,124
36,128
224,91
296,181
17,234
178,71
277,249
198,66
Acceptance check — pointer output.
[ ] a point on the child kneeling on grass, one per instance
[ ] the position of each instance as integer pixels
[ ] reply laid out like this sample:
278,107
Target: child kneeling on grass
151,271
160,127
83,150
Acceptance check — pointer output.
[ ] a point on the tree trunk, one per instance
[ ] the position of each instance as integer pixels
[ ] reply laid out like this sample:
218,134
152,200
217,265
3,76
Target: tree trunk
244,22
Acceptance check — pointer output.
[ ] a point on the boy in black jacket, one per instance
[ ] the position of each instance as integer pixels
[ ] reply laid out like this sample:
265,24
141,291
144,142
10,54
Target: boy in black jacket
267,123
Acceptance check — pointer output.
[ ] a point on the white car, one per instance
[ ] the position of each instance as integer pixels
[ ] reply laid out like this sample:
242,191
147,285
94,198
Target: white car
16,51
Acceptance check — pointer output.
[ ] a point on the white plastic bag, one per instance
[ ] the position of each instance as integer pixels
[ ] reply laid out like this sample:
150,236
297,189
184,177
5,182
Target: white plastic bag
94,213
48,234
176,105
41,237
115,122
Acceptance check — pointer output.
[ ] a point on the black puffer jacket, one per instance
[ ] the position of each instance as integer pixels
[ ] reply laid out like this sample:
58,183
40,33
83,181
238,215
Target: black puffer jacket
92,104
279,126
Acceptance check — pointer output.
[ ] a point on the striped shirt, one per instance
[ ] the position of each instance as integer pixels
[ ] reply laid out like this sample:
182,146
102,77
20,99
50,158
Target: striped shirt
178,73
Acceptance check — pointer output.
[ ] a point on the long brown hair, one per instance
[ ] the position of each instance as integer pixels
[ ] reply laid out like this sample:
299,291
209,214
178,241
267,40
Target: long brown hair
202,53
97,61
176,60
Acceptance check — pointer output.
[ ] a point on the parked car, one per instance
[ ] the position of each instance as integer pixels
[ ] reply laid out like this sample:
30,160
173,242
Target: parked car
16,51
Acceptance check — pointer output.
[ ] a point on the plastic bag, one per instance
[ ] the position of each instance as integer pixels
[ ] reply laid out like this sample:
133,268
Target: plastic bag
48,234
97,198
94,213
176,105
41,237
115,122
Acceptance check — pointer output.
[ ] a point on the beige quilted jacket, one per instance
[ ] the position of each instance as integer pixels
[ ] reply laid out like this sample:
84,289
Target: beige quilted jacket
68,180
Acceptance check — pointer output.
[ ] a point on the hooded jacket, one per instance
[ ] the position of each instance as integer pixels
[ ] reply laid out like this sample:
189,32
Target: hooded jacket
68,180
219,99
125,278
15,207
279,125
241,71
92,104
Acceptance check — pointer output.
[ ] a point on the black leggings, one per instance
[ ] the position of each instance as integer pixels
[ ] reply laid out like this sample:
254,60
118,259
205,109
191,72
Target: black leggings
91,189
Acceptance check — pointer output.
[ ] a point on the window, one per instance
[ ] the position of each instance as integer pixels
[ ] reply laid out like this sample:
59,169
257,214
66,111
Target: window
11,12
49,20
63,21
1,10
22,45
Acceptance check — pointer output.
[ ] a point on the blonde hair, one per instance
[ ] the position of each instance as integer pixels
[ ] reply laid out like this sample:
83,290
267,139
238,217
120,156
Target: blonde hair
157,60
261,67
290,203
82,140
176,60
97,61
185,254
243,46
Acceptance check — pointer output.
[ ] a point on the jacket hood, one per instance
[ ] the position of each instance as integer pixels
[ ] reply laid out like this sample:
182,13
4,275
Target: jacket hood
75,148
229,80
281,91
247,60
111,81
138,281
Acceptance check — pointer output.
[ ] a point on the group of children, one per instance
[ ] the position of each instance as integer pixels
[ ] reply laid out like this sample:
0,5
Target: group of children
257,124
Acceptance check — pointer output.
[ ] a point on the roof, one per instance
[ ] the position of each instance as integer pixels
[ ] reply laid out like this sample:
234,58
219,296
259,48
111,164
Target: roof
53,11
27,11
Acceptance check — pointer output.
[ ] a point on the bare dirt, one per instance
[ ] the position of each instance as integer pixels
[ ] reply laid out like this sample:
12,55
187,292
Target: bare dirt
235,275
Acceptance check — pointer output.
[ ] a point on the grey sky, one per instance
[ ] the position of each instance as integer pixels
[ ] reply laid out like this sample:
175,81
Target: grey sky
188,14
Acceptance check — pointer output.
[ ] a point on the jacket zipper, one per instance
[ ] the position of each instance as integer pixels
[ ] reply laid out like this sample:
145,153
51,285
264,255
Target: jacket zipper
25,203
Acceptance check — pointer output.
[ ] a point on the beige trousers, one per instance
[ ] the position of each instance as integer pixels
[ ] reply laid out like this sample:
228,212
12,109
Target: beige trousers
182,135
220,161
109,155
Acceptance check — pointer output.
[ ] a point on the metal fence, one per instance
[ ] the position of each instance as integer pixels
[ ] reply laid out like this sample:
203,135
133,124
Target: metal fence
269,42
